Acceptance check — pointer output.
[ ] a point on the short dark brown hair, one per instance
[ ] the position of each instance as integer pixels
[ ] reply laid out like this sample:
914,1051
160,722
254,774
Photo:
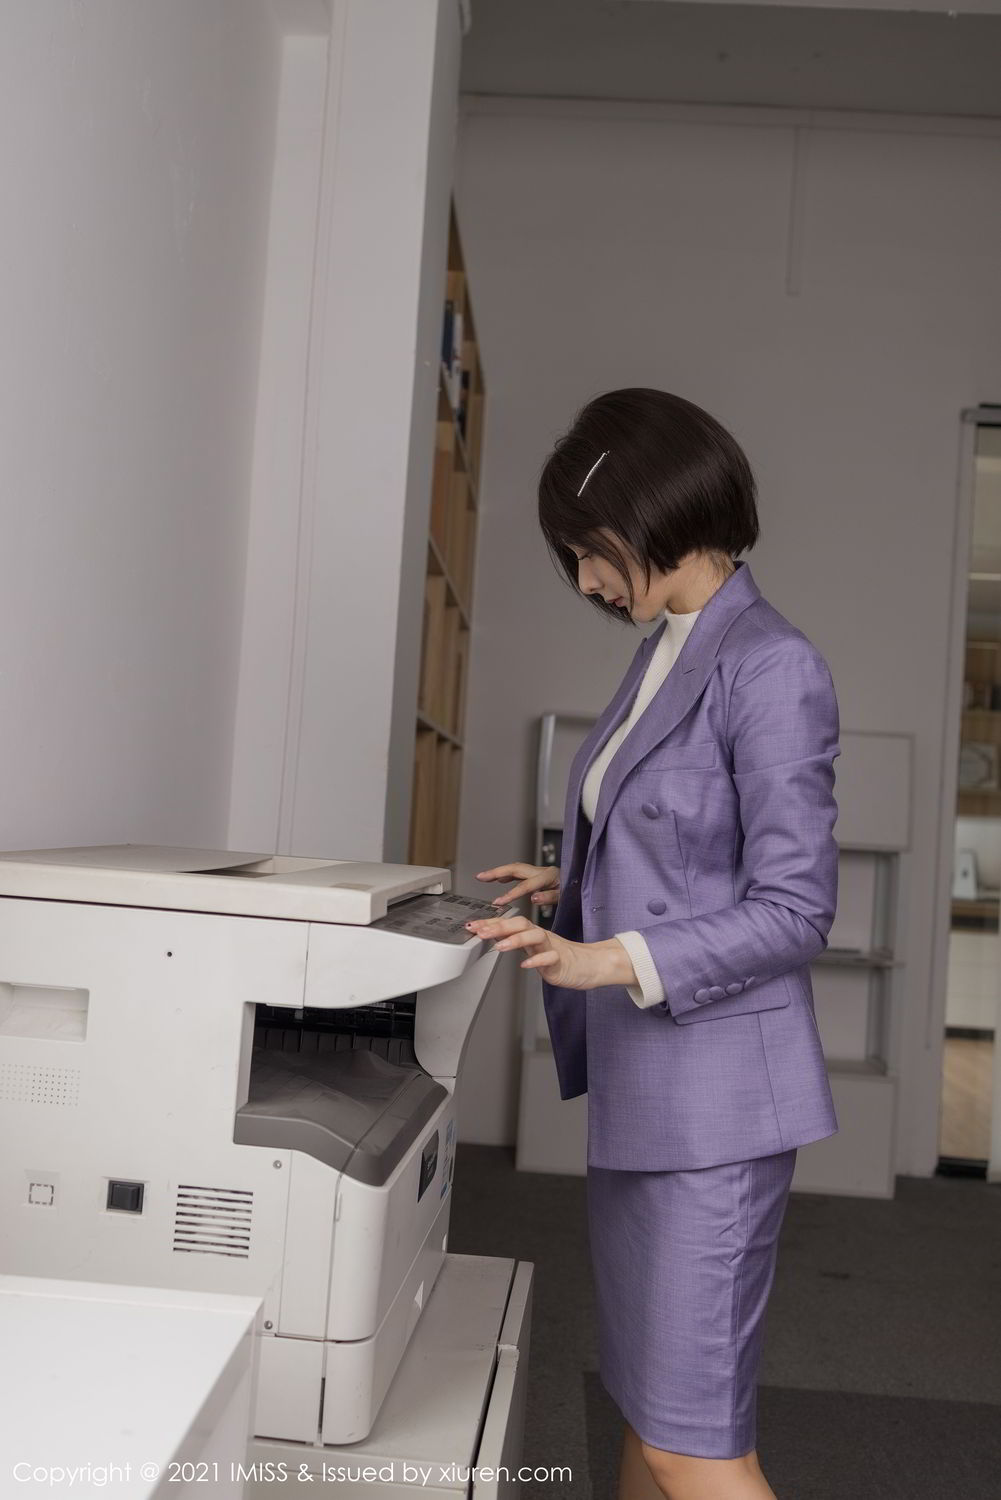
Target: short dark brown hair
674,481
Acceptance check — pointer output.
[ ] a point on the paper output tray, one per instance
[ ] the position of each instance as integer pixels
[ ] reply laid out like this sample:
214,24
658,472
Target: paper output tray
352,1110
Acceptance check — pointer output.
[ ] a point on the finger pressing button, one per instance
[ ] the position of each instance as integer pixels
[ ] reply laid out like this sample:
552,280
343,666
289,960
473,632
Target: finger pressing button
651,809
657,907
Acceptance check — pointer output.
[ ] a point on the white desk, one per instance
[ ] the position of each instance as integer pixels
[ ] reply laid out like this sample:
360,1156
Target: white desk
140,1378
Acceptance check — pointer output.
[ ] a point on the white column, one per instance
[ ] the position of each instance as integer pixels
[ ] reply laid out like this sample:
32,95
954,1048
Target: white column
325,728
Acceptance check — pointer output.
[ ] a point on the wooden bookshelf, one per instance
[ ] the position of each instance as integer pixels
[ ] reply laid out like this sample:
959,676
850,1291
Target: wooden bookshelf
448,584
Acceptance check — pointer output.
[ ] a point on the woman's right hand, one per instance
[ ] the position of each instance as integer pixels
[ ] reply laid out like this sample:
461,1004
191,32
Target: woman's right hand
542,882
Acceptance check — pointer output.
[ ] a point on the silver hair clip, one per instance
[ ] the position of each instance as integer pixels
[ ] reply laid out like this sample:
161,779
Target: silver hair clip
592,469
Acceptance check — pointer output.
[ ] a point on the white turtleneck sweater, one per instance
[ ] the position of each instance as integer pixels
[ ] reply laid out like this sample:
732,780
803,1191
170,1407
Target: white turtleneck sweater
649,991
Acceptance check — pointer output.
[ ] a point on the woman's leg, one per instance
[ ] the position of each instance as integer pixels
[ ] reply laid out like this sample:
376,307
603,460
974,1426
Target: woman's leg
635,1480
648,1473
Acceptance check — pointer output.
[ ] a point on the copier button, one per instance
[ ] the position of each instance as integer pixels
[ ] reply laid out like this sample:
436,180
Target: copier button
126,1197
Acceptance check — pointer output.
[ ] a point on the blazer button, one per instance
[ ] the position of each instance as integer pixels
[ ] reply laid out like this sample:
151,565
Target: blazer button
657,907
753,980
734,989
651,809
716,992
700,997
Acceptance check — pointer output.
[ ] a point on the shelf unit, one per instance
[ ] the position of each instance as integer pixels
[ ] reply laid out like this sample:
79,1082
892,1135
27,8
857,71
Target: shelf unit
854,1010
448,583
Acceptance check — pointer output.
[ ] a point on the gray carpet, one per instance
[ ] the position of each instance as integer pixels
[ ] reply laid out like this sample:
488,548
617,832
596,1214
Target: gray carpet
881,1376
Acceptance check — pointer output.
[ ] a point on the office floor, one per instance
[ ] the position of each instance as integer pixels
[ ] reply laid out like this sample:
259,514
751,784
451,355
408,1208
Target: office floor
881,1377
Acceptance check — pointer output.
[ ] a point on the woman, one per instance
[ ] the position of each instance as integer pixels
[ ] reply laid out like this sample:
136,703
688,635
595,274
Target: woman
698,880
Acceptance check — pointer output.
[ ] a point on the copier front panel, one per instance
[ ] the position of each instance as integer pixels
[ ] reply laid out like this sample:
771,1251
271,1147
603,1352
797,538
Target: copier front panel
138,1084
223,1101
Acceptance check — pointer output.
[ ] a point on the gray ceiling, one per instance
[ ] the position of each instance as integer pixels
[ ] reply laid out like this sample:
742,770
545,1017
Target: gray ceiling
900,61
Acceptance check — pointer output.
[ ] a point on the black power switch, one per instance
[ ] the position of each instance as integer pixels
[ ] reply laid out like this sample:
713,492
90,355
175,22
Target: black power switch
126,1197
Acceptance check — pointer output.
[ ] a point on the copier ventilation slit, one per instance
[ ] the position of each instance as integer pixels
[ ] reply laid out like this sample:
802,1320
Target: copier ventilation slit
24,1083
213,1221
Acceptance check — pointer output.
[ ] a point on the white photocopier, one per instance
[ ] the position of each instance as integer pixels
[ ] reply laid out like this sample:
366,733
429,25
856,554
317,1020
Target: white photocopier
236,1073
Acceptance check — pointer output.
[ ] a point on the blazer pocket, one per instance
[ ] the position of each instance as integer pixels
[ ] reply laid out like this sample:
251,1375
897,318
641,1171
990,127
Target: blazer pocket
772,995
700,755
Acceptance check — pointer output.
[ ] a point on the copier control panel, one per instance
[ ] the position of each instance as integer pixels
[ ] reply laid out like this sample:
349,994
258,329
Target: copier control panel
441,918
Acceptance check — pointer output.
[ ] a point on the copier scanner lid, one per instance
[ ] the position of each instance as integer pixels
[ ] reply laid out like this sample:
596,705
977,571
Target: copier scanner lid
213,880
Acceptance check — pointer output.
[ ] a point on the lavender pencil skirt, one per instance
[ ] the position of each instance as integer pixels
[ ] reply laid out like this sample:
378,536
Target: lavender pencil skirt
683,1265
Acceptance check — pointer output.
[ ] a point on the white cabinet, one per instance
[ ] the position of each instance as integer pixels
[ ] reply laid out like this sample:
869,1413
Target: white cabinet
453,1420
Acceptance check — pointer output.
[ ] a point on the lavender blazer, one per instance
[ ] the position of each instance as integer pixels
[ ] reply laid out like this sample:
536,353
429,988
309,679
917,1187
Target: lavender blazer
713,836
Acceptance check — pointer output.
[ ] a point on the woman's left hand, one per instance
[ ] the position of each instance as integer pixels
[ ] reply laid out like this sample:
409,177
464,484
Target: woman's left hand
571,966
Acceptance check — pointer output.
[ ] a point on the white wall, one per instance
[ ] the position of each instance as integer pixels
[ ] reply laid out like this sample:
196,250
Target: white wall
135,151
219,420
827,286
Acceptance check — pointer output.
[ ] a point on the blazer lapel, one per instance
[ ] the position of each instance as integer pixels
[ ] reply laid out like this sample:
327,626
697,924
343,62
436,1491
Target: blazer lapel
676,695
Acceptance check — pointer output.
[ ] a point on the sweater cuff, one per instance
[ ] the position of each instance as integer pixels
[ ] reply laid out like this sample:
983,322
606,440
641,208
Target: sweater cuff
649,990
